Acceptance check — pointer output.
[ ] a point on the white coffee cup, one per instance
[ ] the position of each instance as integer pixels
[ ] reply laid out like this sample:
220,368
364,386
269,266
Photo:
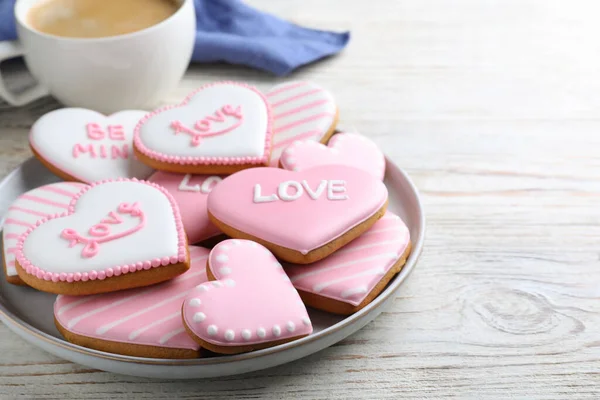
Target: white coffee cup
131,71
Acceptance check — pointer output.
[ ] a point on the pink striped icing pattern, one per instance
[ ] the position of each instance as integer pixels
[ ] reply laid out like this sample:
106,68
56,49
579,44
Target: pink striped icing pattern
155,155
28,209
352,272
109,271
147,316
301,111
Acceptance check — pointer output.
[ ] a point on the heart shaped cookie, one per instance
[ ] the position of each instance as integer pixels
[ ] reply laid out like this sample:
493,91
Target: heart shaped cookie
220,128
344,149
303,216
301,111
353,276
83,145
142,322
191,192
27,209
114,235
250,303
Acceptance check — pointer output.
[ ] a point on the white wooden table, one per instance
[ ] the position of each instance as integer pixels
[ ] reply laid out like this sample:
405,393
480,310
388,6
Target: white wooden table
493,107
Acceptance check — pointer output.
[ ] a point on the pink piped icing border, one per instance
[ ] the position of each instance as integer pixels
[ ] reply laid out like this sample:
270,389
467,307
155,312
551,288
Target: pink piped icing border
189,160
112,271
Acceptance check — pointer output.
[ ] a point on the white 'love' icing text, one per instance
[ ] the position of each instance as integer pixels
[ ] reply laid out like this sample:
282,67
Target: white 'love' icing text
208,184
336,190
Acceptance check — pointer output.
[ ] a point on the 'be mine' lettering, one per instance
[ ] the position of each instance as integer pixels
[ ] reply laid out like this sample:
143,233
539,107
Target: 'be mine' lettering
293,190
95,132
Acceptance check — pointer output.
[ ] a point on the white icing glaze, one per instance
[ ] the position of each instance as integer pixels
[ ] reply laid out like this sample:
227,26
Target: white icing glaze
290,326
336,186
195,302
55,135
205,188
259,198
284,192
276,330
212,330
246,334
222,258
261,332
246,140
229,335
158,238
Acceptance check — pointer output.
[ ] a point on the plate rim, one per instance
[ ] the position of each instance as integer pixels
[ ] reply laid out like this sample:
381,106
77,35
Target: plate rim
7,316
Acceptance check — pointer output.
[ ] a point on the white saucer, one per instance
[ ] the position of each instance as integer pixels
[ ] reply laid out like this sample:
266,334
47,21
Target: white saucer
28,312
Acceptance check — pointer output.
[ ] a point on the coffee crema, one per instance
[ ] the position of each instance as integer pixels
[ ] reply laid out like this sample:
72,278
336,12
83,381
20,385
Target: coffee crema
98,18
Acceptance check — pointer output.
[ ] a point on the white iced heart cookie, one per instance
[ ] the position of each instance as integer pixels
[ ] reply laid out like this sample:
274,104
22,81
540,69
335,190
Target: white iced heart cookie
114,235
220,128
86,146
301,111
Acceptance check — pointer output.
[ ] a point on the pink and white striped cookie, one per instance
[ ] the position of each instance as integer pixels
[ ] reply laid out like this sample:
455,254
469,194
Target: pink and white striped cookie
301,111
352,277
142,322
349,149
29,208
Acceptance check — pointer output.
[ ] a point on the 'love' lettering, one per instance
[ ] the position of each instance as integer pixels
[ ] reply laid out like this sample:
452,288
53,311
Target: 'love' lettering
293,190
208,184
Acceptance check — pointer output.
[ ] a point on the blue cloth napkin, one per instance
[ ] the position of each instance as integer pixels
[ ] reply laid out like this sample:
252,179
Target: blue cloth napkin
233,32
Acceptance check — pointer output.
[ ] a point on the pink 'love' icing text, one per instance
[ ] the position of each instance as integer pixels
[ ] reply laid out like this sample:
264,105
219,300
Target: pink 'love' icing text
204,127
101,232
293,190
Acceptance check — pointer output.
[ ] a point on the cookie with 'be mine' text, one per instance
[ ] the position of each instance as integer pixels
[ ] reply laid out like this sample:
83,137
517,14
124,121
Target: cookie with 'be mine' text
249,304
353,276
115,235
141,322
220,128
25,211
301,216
83,145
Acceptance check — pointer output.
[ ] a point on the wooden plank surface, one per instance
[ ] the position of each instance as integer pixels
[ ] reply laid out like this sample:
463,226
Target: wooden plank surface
493,108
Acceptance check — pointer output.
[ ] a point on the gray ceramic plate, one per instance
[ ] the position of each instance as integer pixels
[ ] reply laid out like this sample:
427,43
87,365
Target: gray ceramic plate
28,312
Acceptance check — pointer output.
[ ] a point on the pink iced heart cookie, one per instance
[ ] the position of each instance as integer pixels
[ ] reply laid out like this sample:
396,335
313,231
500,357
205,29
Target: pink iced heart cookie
303,216
301,111
352,277
220,128
344,149
26,210
142,322
191,192
86,146
114,235
250,303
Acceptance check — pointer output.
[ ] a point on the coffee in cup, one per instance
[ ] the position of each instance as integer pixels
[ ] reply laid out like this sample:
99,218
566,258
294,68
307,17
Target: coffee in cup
95,18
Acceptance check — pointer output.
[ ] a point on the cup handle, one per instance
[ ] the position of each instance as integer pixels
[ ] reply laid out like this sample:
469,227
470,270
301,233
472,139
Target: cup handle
12,49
